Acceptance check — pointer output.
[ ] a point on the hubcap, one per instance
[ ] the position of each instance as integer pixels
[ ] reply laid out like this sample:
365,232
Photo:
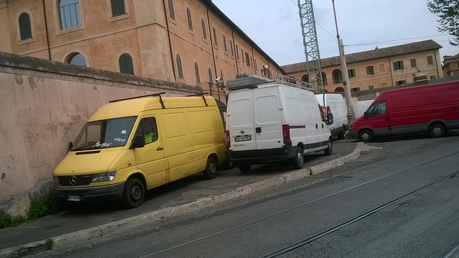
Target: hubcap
365,136
136,193
213,168
437,131
299,158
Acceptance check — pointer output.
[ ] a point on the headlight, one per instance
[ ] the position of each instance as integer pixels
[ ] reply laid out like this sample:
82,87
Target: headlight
56,182
103,177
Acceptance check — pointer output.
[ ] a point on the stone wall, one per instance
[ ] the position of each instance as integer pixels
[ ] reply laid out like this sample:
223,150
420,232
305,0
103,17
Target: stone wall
43,106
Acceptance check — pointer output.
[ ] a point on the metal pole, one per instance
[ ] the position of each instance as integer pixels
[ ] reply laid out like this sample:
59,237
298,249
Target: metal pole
346,83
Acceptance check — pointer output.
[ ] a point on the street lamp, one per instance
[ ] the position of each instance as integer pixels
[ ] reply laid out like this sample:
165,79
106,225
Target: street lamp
346,83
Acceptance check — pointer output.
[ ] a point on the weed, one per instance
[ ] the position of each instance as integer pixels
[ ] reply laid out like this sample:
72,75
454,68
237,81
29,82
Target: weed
49,244
42,205
6,219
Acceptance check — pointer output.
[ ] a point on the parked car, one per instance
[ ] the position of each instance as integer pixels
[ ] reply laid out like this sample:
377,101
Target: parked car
129,146
361,107
271,121
430,109
338,108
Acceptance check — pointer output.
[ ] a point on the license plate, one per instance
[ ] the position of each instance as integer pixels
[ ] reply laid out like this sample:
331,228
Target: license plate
243,138
73,198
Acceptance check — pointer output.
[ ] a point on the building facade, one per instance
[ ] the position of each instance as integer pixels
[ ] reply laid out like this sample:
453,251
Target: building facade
379,68
451,65
187,41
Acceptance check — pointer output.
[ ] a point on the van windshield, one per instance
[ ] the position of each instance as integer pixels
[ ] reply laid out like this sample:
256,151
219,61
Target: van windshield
108,133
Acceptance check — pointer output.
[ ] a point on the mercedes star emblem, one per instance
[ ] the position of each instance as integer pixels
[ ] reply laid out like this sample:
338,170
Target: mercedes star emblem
73,180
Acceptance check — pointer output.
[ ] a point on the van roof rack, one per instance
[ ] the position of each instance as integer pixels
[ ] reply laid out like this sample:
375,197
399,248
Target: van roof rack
247,80
144,96
199,95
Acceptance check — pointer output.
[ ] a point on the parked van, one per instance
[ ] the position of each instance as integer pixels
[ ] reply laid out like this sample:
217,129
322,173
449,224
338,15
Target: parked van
270,121
133,145
338,108
430,109
361,107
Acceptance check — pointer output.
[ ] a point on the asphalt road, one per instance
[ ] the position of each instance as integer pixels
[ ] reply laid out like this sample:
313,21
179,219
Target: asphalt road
422,224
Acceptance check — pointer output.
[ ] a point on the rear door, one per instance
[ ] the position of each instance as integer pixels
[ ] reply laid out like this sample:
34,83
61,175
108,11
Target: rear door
268,118
240,120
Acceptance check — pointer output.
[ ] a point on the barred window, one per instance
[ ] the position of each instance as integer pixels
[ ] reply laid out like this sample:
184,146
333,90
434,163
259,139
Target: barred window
69,12
25,27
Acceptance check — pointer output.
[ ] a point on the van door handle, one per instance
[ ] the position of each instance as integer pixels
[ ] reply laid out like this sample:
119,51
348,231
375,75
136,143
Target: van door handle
159,148
317,126
258,130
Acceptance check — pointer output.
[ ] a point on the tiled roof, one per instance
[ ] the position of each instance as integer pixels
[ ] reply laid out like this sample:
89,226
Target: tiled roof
370,55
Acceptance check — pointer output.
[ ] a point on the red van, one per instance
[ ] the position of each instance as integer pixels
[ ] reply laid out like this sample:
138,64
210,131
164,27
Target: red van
430,109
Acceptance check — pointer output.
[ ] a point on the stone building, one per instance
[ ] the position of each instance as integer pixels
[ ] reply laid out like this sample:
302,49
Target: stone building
451,65
379,68
186,41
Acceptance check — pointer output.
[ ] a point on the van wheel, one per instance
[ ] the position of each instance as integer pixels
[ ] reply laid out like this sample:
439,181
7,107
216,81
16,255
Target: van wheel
437,130
366,136
133,194
211,169
298,161
341,136
329,150
245,168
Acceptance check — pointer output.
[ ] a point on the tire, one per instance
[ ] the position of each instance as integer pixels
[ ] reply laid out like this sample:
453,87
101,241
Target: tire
329,150
366,136
211,169
134,193
297,162
245,168
341,136
437,130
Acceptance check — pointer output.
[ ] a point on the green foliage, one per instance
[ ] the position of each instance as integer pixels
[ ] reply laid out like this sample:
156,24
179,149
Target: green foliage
448,14
42,205
6,219
49,244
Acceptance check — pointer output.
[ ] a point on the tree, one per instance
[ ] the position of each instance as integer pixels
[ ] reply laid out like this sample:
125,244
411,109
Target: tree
448,14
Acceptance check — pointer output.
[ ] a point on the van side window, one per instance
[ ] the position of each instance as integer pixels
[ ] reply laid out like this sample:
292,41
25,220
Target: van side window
377,109
148,129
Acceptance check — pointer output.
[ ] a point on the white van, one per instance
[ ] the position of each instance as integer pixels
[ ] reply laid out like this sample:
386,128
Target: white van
268,121
361,107
338,108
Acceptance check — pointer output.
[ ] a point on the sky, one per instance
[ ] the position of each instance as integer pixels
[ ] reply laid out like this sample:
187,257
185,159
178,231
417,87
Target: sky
363,24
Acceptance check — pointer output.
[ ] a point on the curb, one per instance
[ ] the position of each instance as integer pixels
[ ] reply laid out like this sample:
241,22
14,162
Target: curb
63,241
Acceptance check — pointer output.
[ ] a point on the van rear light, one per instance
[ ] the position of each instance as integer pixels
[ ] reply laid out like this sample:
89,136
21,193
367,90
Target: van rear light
286,133
228,139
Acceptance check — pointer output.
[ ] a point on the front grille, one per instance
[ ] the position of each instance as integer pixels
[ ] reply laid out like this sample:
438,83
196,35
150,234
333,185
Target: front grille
78,180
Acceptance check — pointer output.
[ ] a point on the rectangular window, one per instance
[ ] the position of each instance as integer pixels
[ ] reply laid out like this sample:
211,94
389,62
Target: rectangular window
237,52
429,60
370,70
371,87
242,54
351,73
382,68
247,58
398,65
118,7
355,89
384,84
148,129
224,44
413,63
215,36
401,82
69,12
231,47
433,77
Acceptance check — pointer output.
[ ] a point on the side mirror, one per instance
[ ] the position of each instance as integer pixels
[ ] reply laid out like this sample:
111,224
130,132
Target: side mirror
365,115
70,145
138,142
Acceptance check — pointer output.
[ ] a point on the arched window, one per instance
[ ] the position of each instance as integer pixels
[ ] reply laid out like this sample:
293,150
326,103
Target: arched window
196,71
305,78
126,65
204,30
211,77
324,78
232,47
337,76
118,7
76,59
215,36
339,89
190,20
25,27
171,9
69,12
178,60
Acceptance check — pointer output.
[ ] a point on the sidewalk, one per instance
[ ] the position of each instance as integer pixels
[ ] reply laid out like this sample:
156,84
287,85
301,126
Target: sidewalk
184,191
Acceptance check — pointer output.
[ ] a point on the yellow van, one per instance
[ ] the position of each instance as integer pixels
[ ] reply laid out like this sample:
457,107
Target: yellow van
132,145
